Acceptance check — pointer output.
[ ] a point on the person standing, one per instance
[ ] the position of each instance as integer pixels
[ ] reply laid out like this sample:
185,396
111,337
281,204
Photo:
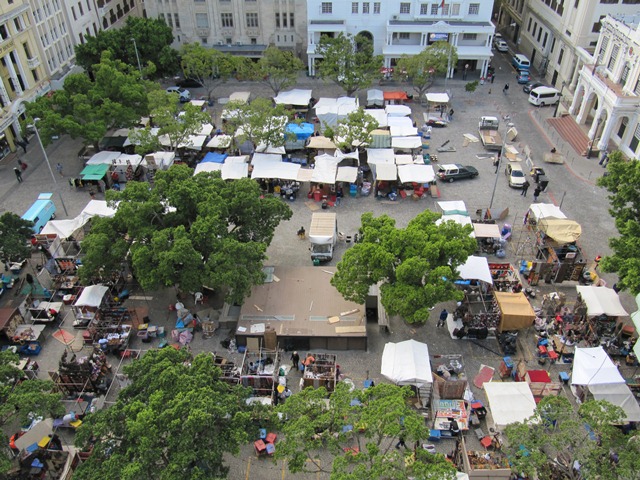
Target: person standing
18,173
401,441
22,144
525,187
59,169
496,162
505,90
536,193
443,318
295,360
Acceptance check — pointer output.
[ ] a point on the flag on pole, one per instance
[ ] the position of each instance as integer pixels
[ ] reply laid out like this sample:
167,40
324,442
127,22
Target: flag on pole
442,7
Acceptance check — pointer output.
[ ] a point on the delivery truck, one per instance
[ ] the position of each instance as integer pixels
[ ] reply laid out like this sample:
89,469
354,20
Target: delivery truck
323,236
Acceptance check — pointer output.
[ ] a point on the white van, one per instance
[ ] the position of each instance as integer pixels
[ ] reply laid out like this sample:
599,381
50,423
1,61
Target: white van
542,96
520,62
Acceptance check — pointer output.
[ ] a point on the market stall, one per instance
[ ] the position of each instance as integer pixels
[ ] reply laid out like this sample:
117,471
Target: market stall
220,142
88,304
375,98
296,135
397,111
509,402
395,97
621,395
330,111
593,367
489,237
297,98
407,363
380,116
321,372
515,311
603,311
322,144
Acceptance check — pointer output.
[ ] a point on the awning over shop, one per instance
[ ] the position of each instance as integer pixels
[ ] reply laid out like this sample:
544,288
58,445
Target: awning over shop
516,312
91,296
486,230
347,174
280,170
601,301
416,173
560,230
405,142
386,171
94,172
476,268
321,143
592,366
296,97
510,402
376,156
407,363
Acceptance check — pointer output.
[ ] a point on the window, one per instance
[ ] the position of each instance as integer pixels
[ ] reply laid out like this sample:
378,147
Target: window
73,12
79,8
609,1
365,8
623,127
18,23
252,20
202,20
560,55
614,56
636,139
596,27
469,36
355,7
161,17
625,74
539,35
284,20
291,18
445,9
376,8
27,50
253,40
535,27
637,89
169,20
405,8
227,20
455,9
277,20
424,9
404,36
176,20
434,8
4,33
603,49
575,5
529,26
326,7
544,42
631,2
35,74
474,8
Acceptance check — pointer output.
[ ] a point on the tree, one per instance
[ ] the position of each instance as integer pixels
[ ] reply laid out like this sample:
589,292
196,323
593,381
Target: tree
175,420
416,266
348,61
117,98
258,122
421,68
23,399
556,436
169,120
278,69
153,39
353,131
210,67
14,234
368,430
623,183
189,231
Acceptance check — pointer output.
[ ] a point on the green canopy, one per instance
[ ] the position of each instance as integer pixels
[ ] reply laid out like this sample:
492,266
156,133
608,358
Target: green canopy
94,172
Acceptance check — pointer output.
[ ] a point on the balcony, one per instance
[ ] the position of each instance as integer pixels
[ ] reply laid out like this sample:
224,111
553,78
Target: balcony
33,62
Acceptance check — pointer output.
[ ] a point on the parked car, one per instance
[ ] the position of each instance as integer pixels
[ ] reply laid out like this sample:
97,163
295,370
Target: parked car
531,85
455,171
189,83
523,76
515,175
500,45
185,95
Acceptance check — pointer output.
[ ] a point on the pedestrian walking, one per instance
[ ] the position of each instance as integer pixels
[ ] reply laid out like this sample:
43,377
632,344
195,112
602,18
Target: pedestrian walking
493,77
496,163
525,187
443,318
536,193
604,159
295,360
59,169
505,90
18,173
451,114
401,441
22,144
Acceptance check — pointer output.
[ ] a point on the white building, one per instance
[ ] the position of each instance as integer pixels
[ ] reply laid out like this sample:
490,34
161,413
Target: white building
607,96
53,30
558,36
407,27
241,27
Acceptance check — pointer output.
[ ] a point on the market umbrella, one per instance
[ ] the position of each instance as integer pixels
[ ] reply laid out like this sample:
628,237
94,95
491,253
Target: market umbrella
129,173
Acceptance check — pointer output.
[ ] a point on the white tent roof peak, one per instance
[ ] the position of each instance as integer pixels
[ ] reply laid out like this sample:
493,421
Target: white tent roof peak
601,301
592,366
407,363
91,296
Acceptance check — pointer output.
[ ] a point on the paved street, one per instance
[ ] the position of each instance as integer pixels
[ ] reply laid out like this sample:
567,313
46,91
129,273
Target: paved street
571,184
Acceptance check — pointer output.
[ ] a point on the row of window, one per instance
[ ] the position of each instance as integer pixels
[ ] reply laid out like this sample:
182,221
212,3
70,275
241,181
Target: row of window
366,8
405,8
226,20
19,24
625,2
73,10
557,5
540,31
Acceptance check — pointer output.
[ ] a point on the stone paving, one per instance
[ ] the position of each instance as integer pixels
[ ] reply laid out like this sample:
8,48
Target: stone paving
571,185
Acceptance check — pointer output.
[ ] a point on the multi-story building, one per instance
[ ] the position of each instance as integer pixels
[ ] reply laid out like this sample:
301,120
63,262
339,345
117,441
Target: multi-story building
23,76
243,27
407,27
607,96
53,31
558,36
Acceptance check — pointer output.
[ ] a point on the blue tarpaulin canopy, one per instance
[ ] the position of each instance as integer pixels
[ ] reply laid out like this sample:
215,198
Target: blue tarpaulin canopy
214,157
302,131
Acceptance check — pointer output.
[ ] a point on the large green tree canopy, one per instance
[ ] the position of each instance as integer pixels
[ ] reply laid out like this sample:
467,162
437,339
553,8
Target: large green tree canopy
369,428
188,231
353,131
348,61
14,238
420,69
278,69
416,265
86,108
623,184
175,420
210,67
153,39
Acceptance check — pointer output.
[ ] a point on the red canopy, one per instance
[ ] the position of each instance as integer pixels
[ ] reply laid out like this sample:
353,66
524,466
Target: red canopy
395,96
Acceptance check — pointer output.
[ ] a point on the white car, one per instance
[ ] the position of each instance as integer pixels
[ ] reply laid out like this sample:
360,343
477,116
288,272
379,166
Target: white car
500,45
185,95
515,175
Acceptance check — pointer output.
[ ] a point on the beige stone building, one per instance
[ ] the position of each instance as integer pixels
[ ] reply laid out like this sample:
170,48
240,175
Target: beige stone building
242,27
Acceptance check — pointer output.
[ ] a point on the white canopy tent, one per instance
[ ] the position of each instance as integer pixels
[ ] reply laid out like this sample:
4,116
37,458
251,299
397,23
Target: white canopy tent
376,156
545,210
234,170
91,296
460,219
205,129
347,174
242,97
342,155
405,142
397,110
379,115
375,98
510,402
386,171
103,157
280,170
220,141
621,395
476,268
98,208
416,173
400,123
601,301
404,159
207,167
331,110
161,160
262,148
296,97
325,170
321,143
452,207
437,97
258,158
592,366
407,363
66,228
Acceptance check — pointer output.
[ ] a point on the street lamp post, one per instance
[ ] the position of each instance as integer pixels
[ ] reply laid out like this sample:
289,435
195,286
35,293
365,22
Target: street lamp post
135,47
555,112
46,159
508,125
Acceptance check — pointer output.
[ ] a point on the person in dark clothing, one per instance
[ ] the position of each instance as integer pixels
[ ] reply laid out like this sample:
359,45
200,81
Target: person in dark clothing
401,441
505,90
18,174
295,360
454,428
525,187
22,144
443,318
536,193
496,163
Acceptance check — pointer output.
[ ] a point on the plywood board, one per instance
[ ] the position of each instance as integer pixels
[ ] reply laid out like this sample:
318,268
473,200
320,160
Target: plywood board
362,329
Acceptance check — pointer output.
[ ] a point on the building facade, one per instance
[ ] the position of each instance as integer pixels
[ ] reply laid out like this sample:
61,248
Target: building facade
558,36
399,28
23,77
607,96
241,27
53,32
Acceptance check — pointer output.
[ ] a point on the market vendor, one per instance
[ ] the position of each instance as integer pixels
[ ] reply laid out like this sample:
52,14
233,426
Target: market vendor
307,362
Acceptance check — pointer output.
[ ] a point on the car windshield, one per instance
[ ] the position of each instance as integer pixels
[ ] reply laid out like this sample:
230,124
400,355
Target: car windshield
517,173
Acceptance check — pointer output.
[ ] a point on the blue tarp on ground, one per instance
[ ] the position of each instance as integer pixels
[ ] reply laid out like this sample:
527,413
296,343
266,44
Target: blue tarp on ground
302,131
214,157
